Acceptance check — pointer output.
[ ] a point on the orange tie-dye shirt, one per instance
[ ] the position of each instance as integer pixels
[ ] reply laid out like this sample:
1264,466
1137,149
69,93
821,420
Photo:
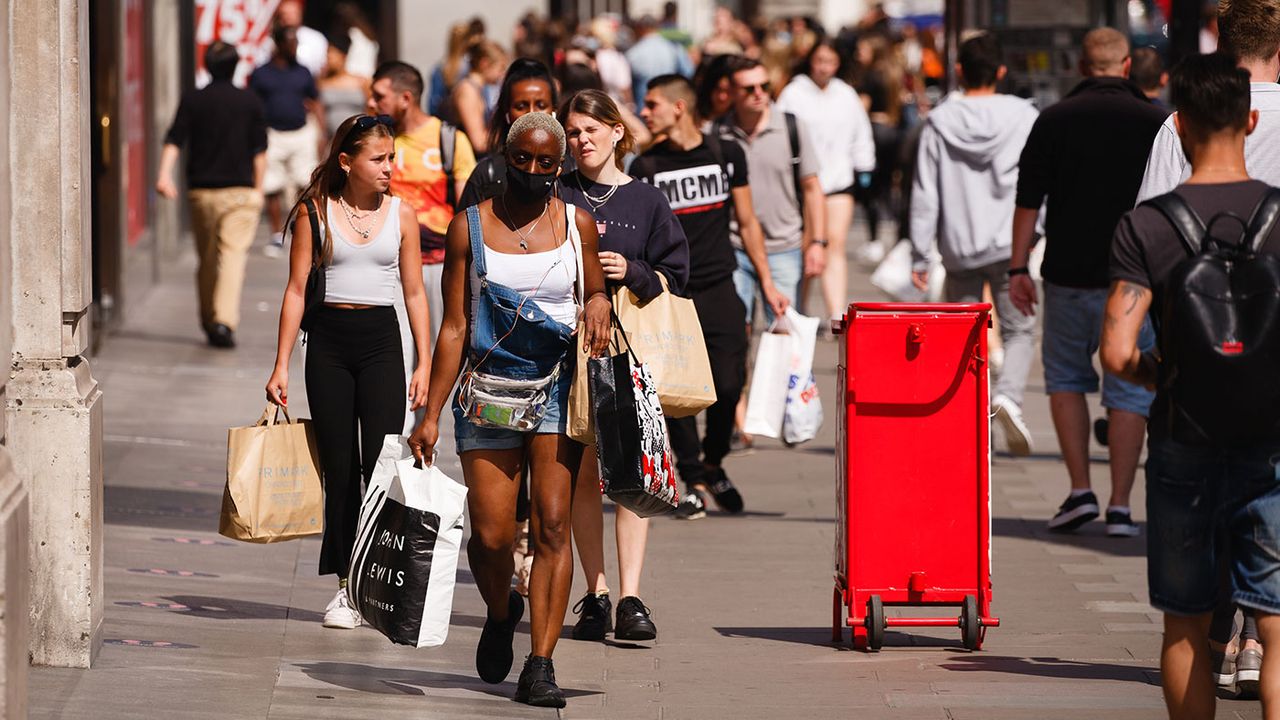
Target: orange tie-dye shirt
418,178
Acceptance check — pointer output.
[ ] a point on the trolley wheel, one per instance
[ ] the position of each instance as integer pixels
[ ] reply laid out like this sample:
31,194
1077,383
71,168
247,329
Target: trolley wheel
875,623
970,626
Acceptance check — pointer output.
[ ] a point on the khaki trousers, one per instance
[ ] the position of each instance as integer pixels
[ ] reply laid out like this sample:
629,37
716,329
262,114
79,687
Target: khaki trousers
224,222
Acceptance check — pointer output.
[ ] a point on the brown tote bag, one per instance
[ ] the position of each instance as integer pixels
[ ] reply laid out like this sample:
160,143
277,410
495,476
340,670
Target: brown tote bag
667,336
273,488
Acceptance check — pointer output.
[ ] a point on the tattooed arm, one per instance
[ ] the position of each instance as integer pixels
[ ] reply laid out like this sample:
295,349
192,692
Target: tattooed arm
1127,306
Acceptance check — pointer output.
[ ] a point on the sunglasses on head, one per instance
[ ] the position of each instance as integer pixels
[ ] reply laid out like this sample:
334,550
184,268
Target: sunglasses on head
364,122
763,87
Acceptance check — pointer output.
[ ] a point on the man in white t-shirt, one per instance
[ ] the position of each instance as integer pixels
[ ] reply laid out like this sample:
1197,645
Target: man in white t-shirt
313,48
1249,30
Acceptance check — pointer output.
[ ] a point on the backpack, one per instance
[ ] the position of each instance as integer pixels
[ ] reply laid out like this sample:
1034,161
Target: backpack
1220,328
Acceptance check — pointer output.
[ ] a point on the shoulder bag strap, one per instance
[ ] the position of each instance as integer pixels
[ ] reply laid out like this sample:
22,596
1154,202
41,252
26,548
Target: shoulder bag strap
571,228
476,234
316,241
1264,219
1179,214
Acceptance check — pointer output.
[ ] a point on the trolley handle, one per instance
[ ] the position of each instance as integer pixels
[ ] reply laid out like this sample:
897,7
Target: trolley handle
923,307
838,327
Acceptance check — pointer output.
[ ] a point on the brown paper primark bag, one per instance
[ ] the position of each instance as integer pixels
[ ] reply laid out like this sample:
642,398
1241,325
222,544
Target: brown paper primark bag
273,481
667,336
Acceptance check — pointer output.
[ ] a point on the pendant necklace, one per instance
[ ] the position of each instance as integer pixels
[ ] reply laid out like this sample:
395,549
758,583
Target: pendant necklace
352,216
523,238
595,202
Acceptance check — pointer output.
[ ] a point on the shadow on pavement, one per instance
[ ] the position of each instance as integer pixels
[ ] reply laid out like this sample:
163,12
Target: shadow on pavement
1091,537
161,508
159,338
400,681
821,637
1050,667
217,608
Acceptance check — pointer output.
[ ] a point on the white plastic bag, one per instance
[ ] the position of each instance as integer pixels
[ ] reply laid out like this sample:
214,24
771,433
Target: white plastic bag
803,414
405,561
784,357
767,397
893,276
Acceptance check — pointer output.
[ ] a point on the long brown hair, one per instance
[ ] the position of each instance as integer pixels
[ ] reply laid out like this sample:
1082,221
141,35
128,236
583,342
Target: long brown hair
597,105
328,179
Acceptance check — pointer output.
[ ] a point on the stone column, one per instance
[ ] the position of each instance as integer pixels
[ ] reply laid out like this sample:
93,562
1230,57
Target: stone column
53,408
14,579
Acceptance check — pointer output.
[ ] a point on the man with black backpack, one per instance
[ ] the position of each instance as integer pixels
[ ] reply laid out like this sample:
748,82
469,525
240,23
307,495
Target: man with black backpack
785,191
433,162
705,181
1202,261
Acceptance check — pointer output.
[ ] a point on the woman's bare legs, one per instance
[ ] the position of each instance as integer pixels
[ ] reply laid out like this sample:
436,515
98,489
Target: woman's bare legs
588,522
632,532
493,479
553,463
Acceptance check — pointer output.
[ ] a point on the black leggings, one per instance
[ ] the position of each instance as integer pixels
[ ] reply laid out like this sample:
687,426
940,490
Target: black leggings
1223,625
355,374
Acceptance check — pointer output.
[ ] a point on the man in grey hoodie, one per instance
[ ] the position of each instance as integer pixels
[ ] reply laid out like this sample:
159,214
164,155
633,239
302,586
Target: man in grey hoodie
962,200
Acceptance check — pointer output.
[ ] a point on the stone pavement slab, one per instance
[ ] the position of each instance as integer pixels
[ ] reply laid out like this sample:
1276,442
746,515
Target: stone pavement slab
198,626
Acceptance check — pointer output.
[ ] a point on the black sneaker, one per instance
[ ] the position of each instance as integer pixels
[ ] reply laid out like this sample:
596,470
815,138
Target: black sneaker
493,653
727,496
220,336
1074,512
1121,524
633,621
692,507
537,685
595,617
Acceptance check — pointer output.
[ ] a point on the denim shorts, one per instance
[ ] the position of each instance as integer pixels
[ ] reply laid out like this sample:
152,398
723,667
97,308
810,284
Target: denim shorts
470,436
787,268
1213,527
1072,331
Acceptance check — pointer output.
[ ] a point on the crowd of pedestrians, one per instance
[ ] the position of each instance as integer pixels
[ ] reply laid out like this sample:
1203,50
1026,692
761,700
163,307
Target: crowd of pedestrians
501,202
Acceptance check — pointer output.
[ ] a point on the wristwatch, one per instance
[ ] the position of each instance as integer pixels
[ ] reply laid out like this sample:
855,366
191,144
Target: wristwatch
819,243
1019,271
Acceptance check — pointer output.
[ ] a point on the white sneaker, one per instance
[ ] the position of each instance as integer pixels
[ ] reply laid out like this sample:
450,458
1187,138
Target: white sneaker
339,613
274,248
870,254
1016,433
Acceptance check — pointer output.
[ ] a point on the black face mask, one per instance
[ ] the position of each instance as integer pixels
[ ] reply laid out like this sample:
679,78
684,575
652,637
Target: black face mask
528,187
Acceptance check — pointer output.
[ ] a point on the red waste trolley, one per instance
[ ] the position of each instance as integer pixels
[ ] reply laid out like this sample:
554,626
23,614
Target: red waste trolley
913,525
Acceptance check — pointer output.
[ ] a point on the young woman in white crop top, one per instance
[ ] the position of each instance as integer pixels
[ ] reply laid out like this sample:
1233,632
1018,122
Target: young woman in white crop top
525,243
354,365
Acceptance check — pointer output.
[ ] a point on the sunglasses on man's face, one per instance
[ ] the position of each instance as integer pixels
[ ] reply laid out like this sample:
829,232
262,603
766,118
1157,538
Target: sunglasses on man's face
364,122
763,87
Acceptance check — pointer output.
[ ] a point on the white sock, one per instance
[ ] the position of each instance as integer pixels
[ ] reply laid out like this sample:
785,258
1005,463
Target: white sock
1121,508
1078,493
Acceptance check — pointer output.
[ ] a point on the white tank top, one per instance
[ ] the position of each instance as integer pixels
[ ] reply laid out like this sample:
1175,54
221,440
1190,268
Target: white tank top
367,273
549,277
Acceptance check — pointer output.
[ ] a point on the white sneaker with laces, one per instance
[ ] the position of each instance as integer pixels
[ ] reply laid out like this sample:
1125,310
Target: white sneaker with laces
339,614
870,254
1016,433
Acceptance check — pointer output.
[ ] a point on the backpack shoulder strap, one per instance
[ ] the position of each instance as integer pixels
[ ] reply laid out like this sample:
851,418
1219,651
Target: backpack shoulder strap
1264,219
793,137
1179,214
448,146
717,149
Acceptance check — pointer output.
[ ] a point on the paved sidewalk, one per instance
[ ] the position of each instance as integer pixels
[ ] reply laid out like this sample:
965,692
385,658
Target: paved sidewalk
201,627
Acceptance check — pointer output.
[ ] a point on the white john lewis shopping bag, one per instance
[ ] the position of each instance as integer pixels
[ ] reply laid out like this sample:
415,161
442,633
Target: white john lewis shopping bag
405,560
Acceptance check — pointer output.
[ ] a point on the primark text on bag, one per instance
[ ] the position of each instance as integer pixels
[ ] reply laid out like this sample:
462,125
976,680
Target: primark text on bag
405,562
273,489
666,335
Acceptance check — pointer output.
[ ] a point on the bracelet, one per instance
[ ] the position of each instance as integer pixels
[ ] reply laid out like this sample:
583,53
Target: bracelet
1024,270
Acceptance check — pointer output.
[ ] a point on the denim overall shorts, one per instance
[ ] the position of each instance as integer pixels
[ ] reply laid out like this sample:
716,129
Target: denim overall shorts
512,340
